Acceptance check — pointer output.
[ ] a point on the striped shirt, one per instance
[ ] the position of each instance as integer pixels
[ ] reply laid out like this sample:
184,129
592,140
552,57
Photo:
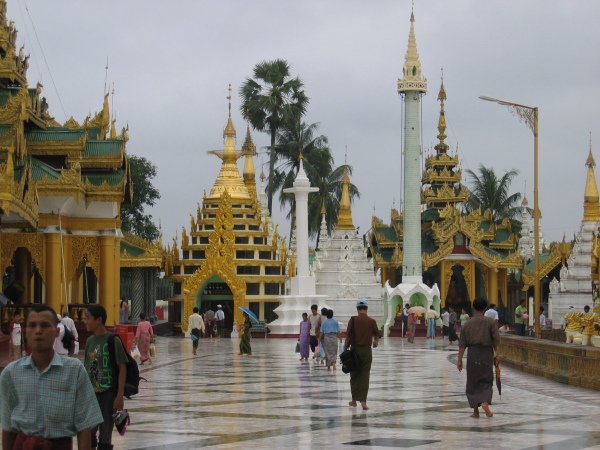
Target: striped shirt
59,402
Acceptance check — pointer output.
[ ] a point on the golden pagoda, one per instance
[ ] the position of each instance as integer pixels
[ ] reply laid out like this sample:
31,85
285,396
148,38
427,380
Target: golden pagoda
229,256
61,189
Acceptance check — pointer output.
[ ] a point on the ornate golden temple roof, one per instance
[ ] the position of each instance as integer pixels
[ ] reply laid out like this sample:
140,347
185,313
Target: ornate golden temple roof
412,79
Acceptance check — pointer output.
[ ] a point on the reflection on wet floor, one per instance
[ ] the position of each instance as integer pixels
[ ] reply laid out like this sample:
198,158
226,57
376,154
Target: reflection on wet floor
218,399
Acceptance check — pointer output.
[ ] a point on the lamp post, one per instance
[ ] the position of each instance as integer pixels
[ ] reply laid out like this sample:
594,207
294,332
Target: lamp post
529,115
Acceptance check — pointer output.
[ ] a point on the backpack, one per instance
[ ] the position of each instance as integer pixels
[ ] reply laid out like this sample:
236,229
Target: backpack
132,379
68,340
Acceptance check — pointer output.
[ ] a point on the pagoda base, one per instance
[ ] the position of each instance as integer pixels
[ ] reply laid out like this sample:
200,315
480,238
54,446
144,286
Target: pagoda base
289,314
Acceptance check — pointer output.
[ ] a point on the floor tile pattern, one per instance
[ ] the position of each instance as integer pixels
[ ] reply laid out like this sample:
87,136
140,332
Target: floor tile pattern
218,399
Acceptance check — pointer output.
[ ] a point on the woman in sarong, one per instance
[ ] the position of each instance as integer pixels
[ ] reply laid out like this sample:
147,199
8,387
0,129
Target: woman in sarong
304,337
480,335
123,311
245,348
330,336
412,326
143,339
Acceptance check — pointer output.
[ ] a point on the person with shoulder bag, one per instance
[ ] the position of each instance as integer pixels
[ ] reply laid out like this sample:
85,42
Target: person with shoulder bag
362,333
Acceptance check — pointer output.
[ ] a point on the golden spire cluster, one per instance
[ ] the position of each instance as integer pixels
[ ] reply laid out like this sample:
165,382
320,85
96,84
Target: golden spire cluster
591,203
345,213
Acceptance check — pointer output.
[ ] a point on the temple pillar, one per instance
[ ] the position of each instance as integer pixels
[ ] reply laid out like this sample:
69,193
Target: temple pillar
23,267
106,278
137,294
152,291
493,287
503,282
54,287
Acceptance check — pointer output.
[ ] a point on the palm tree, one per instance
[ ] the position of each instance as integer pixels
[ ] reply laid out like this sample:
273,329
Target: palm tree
272,101
319,167
489,192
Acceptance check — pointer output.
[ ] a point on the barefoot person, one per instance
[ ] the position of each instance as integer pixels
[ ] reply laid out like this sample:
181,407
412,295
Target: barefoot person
480,335
304,338
366,333
245,347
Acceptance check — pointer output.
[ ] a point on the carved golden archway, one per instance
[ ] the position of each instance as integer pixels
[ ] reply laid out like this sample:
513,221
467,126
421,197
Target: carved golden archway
468,274
33,242
219,262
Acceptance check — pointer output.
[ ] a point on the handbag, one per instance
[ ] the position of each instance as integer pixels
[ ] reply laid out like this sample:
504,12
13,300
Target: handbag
153,351
349,358
297,347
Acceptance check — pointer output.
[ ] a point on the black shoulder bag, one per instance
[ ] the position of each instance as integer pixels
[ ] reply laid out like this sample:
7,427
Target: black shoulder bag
349,357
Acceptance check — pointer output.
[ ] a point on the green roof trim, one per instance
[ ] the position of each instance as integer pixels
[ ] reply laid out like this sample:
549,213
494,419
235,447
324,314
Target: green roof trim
4,128
5,94
389,233
502,235
133,251
542,258
112,178
39,169
54,135
428,245
430,215
99,148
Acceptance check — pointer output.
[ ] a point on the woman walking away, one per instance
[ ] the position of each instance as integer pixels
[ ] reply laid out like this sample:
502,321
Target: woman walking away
143,337
245,348
330,336
412,326
480,335
463,318
304,337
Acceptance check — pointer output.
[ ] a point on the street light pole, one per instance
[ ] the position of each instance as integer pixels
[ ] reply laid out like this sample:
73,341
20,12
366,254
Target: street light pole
529,115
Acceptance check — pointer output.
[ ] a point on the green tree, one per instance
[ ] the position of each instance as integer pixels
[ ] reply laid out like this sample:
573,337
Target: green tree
489,192
271,100
318,164
144,194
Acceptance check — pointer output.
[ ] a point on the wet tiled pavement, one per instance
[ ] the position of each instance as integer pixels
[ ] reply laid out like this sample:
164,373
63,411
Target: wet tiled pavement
218,399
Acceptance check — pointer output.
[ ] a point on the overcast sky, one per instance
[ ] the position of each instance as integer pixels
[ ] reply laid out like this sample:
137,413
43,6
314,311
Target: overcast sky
171,63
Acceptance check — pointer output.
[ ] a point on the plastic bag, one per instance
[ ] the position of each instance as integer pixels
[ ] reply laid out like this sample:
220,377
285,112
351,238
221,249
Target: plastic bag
76,348
297,347
135,353
317,351
153,351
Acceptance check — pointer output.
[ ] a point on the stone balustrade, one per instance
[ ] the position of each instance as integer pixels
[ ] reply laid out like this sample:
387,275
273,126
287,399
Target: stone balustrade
566,363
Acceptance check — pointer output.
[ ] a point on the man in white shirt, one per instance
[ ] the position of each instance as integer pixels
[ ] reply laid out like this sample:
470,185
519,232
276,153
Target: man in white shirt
70,324
492,313
58,345
445,323
196,326
220,318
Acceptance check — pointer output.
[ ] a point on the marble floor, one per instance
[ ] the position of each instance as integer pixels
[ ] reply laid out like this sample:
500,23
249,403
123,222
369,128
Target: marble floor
218,399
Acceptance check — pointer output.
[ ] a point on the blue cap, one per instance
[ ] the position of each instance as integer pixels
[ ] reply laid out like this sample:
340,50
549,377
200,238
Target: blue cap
362,303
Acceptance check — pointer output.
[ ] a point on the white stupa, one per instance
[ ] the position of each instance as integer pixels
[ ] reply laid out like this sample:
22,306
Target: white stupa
302,284
341,267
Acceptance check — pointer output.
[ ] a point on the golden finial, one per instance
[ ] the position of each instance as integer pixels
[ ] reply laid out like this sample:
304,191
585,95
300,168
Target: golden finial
345,213
229,98
591,203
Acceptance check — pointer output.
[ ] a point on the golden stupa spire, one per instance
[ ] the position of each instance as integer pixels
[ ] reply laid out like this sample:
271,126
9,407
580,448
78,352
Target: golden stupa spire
591,204
442,147
249,151
345,213
229,178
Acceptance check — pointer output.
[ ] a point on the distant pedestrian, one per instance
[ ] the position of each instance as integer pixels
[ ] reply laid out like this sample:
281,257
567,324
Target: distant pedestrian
543,320
445,323
46,399
463,317
304,338
452,337
68,323
430,317
59,347
480,335
412,327
322,352
220,321
492,313
315,320
405,320
366,333
209,321
245,347
520,321
144,336
196,326
15,337
123,311
330,336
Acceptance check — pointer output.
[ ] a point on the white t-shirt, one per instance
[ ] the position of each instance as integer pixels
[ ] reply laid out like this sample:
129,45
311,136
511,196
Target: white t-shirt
58,345
220,315
15,335
491,313
68,322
